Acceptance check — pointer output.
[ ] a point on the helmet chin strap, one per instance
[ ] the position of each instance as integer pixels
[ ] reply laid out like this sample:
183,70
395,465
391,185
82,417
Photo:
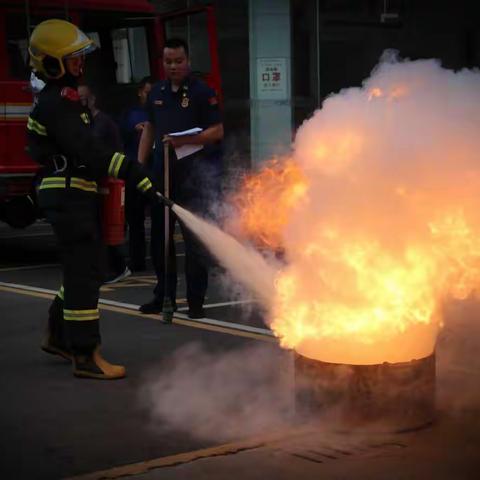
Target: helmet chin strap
72,80
67,80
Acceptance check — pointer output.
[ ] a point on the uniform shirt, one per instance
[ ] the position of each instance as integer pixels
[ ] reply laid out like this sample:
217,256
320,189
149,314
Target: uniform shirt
194,104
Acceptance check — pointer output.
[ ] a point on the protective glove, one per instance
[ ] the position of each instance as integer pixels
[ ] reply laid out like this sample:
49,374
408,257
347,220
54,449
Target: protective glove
160,198
155,196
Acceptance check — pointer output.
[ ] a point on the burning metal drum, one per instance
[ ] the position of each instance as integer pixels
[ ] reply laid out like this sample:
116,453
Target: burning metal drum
387,396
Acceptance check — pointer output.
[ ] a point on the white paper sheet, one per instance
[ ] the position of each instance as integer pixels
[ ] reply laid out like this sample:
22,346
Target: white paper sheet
191,131
188,149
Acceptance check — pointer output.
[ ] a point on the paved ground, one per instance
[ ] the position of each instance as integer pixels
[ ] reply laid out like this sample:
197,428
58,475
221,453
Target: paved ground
204,400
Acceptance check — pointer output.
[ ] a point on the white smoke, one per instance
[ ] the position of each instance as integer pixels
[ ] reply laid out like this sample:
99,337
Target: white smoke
222,395
411,129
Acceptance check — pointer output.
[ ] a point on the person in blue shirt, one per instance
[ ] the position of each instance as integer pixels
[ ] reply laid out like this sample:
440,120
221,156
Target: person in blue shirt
132,124
178,103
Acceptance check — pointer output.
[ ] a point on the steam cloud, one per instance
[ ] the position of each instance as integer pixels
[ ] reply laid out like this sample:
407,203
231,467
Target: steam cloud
222,396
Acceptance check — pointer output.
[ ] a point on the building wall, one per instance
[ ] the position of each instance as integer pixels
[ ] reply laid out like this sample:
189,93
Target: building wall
232,18
334,44
352,36
270,79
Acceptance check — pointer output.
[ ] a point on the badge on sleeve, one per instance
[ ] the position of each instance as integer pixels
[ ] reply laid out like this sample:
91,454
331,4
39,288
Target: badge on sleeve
158,102
70,93
213,101
185,102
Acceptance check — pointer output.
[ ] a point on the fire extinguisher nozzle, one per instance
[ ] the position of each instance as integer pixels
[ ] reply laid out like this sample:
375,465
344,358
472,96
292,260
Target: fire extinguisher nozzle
165,200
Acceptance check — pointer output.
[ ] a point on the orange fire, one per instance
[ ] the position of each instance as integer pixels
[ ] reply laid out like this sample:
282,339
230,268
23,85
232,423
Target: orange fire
379,214
349,296
266,200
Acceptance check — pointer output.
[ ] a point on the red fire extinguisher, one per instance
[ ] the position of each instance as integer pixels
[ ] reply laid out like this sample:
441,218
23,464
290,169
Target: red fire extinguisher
113,210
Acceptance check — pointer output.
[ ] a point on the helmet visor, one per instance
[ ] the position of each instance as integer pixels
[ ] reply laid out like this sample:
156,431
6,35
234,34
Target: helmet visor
82,51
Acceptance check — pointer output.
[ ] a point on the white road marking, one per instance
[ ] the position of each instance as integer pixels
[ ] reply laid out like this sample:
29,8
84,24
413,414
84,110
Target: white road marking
28,288
132,306
221,304
231,325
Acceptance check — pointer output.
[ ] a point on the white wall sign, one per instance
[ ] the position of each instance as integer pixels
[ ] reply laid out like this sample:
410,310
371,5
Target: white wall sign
272,82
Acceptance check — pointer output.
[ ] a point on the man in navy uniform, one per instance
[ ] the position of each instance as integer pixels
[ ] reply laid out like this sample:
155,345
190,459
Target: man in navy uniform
179,103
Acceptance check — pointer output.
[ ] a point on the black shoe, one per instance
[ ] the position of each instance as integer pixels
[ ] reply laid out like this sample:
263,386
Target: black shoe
151,307
197,312
155,306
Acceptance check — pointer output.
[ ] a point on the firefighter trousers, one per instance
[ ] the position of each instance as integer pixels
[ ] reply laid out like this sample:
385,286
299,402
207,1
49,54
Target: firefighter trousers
74,314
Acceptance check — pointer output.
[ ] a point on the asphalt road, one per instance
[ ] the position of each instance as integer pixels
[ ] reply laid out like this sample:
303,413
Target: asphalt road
54,425
206,399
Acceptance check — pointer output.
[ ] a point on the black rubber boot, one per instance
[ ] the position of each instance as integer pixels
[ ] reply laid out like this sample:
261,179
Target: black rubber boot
55,347
54,340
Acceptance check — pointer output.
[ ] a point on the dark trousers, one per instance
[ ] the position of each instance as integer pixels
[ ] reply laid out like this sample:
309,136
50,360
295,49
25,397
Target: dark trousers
135,205
116,259
74,216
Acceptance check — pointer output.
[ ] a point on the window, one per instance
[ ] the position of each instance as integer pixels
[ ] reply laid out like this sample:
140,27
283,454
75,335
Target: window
130,50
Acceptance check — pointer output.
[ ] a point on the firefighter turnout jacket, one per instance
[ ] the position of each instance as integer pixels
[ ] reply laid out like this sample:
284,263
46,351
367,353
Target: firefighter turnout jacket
59,139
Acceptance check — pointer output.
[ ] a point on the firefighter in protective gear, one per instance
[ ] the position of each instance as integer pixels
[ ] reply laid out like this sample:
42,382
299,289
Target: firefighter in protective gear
59,139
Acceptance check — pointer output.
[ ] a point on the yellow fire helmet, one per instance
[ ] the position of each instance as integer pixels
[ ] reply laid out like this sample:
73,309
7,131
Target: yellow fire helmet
54,40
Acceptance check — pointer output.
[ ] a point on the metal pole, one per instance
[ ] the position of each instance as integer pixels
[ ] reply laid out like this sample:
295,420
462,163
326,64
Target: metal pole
167,309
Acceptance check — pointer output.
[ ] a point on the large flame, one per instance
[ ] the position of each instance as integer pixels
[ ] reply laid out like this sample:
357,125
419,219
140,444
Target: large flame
387,227
265,202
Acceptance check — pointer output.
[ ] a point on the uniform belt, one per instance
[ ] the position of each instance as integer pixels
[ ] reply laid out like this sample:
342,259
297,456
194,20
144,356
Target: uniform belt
69,182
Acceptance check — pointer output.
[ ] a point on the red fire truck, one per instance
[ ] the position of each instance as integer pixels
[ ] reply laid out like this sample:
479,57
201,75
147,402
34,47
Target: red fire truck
130,36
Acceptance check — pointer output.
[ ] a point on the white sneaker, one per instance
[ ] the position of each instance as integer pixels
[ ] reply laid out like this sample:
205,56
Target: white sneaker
126,273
